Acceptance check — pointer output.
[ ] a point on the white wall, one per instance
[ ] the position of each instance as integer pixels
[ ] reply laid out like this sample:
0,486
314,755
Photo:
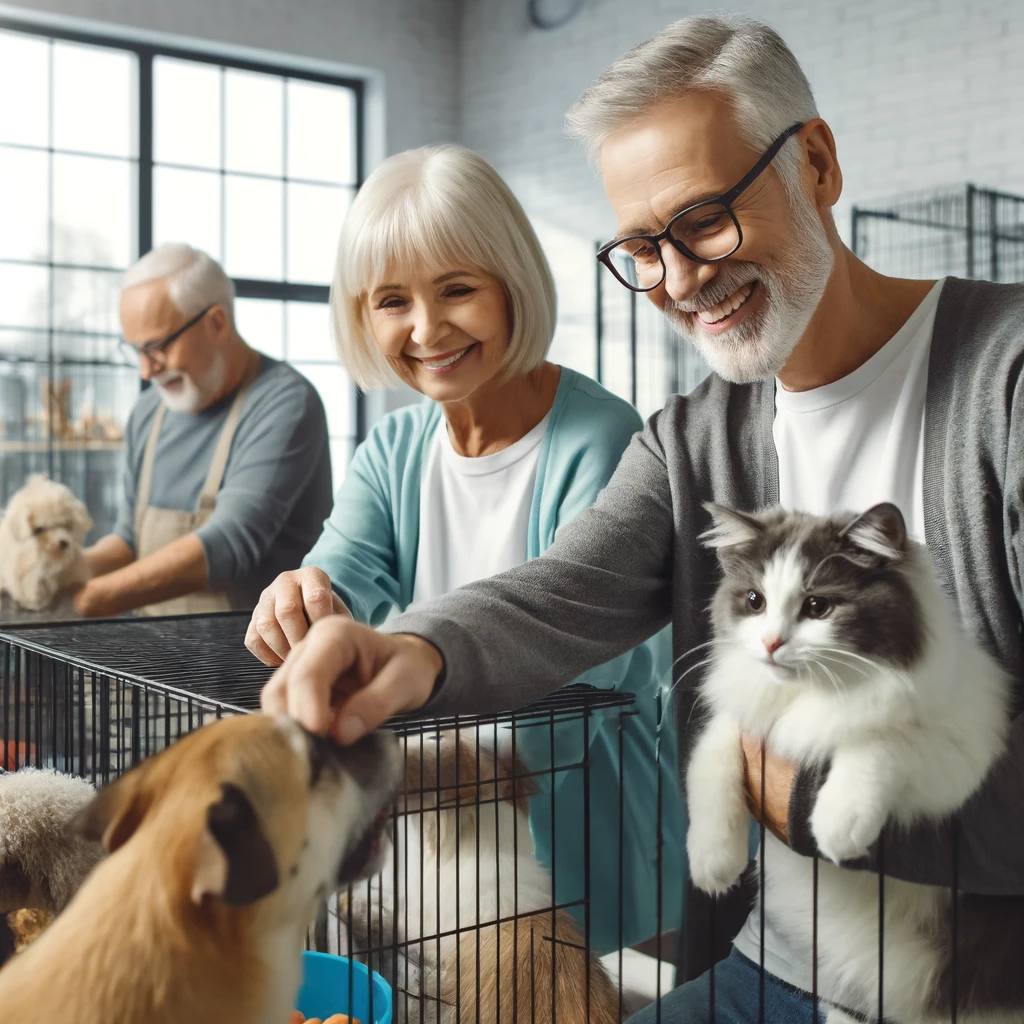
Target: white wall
413,42
919,93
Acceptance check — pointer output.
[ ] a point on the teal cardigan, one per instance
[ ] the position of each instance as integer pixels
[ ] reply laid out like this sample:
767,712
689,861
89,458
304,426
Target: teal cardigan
368,548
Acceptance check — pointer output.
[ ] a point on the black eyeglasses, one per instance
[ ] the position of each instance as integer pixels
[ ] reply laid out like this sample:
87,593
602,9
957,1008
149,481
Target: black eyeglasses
154,350
706,232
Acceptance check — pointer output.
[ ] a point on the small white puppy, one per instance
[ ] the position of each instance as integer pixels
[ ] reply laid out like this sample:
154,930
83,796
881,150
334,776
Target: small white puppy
41,537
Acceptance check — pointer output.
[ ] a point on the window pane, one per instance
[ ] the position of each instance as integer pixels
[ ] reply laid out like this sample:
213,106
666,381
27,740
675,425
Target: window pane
24,296
309,333
24,176
253,132
18,343
261,323
321,126
315,213
25,88
93,210
186,112
186,208
86,300
335,388
253,242
94,99
100,349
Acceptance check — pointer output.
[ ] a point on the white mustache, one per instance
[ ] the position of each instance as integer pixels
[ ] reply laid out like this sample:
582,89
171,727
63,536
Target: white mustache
713,293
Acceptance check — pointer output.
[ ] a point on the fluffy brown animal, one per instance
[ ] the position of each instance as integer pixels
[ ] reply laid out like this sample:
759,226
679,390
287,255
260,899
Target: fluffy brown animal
41,537
219,850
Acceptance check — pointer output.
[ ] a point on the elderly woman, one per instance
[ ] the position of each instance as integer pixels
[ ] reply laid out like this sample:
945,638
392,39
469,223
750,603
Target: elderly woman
441,283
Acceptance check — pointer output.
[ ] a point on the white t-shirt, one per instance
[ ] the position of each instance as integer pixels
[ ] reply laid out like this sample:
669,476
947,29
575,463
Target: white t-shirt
474,513
845,447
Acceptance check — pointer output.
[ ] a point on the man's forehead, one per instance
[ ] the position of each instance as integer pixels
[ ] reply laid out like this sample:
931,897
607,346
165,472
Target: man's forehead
679,152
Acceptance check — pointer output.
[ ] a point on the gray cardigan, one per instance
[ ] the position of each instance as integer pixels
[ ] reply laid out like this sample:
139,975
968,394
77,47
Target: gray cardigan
631,564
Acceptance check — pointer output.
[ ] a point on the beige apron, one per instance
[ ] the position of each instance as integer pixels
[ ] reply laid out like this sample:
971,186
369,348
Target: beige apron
155,528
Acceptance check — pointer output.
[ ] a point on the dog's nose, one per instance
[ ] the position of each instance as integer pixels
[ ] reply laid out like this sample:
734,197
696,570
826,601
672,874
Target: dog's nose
63,544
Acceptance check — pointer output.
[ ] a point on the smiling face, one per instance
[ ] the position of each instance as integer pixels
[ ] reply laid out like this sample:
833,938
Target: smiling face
746,313
444,332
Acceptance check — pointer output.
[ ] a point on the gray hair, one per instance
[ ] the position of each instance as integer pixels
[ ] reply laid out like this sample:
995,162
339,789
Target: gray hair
439,206
196,279
744,59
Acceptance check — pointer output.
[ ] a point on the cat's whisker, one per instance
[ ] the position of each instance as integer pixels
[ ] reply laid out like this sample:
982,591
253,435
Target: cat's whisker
686,654
837,683
863,672
692,668
877,665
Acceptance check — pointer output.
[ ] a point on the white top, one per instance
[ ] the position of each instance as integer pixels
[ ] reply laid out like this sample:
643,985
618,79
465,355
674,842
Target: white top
474,513
845,447
860,440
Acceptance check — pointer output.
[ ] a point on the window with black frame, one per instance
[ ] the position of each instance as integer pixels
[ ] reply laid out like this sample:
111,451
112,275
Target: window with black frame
108,148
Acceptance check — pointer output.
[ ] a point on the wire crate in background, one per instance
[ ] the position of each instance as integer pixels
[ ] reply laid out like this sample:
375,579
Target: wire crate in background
964,232
464,916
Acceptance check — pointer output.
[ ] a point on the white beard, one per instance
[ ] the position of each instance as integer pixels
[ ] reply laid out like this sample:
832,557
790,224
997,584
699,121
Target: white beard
191,395
757,348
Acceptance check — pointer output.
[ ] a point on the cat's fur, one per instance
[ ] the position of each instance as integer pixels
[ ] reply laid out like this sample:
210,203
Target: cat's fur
889,692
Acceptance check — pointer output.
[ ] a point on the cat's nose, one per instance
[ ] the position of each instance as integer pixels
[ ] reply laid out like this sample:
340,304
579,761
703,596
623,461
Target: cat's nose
772,644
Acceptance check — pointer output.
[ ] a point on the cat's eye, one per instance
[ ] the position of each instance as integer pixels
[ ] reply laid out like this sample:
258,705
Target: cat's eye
816,607
755,600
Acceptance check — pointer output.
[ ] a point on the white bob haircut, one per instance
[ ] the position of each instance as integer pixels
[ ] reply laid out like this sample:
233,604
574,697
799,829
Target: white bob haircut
739,57
439,207
196,279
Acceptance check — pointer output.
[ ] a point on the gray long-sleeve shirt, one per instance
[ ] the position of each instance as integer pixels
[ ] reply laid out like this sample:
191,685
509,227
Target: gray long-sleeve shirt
276,491
632,563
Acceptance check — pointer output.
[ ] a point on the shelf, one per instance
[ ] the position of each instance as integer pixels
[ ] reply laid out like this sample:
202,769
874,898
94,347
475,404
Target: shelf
59,445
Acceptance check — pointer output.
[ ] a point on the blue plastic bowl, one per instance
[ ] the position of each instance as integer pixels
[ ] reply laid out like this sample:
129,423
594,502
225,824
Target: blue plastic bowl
324,989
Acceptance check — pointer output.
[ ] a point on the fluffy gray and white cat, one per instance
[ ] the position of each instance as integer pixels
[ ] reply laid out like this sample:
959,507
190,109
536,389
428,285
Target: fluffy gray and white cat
835,643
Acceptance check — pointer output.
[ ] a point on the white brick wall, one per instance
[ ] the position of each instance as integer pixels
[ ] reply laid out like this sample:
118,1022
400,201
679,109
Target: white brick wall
413,42
919,93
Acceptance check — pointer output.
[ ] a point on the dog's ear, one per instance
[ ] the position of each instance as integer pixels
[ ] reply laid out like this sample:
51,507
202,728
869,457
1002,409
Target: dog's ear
19,519
234,861
117,810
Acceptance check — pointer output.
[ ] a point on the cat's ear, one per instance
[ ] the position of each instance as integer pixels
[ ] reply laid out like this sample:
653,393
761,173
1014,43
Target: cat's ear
729,527
881,531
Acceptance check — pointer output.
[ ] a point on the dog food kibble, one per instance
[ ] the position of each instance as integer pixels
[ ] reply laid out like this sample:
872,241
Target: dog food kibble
295,1017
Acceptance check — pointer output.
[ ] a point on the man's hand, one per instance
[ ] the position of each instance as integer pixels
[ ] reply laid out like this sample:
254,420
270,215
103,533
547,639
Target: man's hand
779,777
346,679
91,600
286,610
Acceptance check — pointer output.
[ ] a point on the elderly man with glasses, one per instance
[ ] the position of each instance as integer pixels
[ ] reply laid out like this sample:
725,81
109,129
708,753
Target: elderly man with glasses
834,387
227,474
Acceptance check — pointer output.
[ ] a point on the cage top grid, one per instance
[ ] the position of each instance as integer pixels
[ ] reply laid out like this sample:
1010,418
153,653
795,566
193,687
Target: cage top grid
204,656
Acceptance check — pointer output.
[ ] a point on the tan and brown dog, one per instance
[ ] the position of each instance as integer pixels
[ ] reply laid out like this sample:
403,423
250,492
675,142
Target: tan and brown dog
219,849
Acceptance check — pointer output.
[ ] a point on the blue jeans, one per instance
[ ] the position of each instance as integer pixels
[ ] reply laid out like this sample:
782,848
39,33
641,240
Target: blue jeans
736,999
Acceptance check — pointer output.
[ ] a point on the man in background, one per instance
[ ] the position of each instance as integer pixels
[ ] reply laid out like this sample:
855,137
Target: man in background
227,474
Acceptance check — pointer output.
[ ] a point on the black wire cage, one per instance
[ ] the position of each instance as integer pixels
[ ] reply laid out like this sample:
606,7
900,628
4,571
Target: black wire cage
467,921
464,922
967,232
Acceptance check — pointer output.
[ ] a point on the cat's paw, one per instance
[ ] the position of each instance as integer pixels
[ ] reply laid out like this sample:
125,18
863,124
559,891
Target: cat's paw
718,858
844,828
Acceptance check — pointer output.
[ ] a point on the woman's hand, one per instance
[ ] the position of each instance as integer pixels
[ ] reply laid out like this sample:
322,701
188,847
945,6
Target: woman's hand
346,679
286,610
